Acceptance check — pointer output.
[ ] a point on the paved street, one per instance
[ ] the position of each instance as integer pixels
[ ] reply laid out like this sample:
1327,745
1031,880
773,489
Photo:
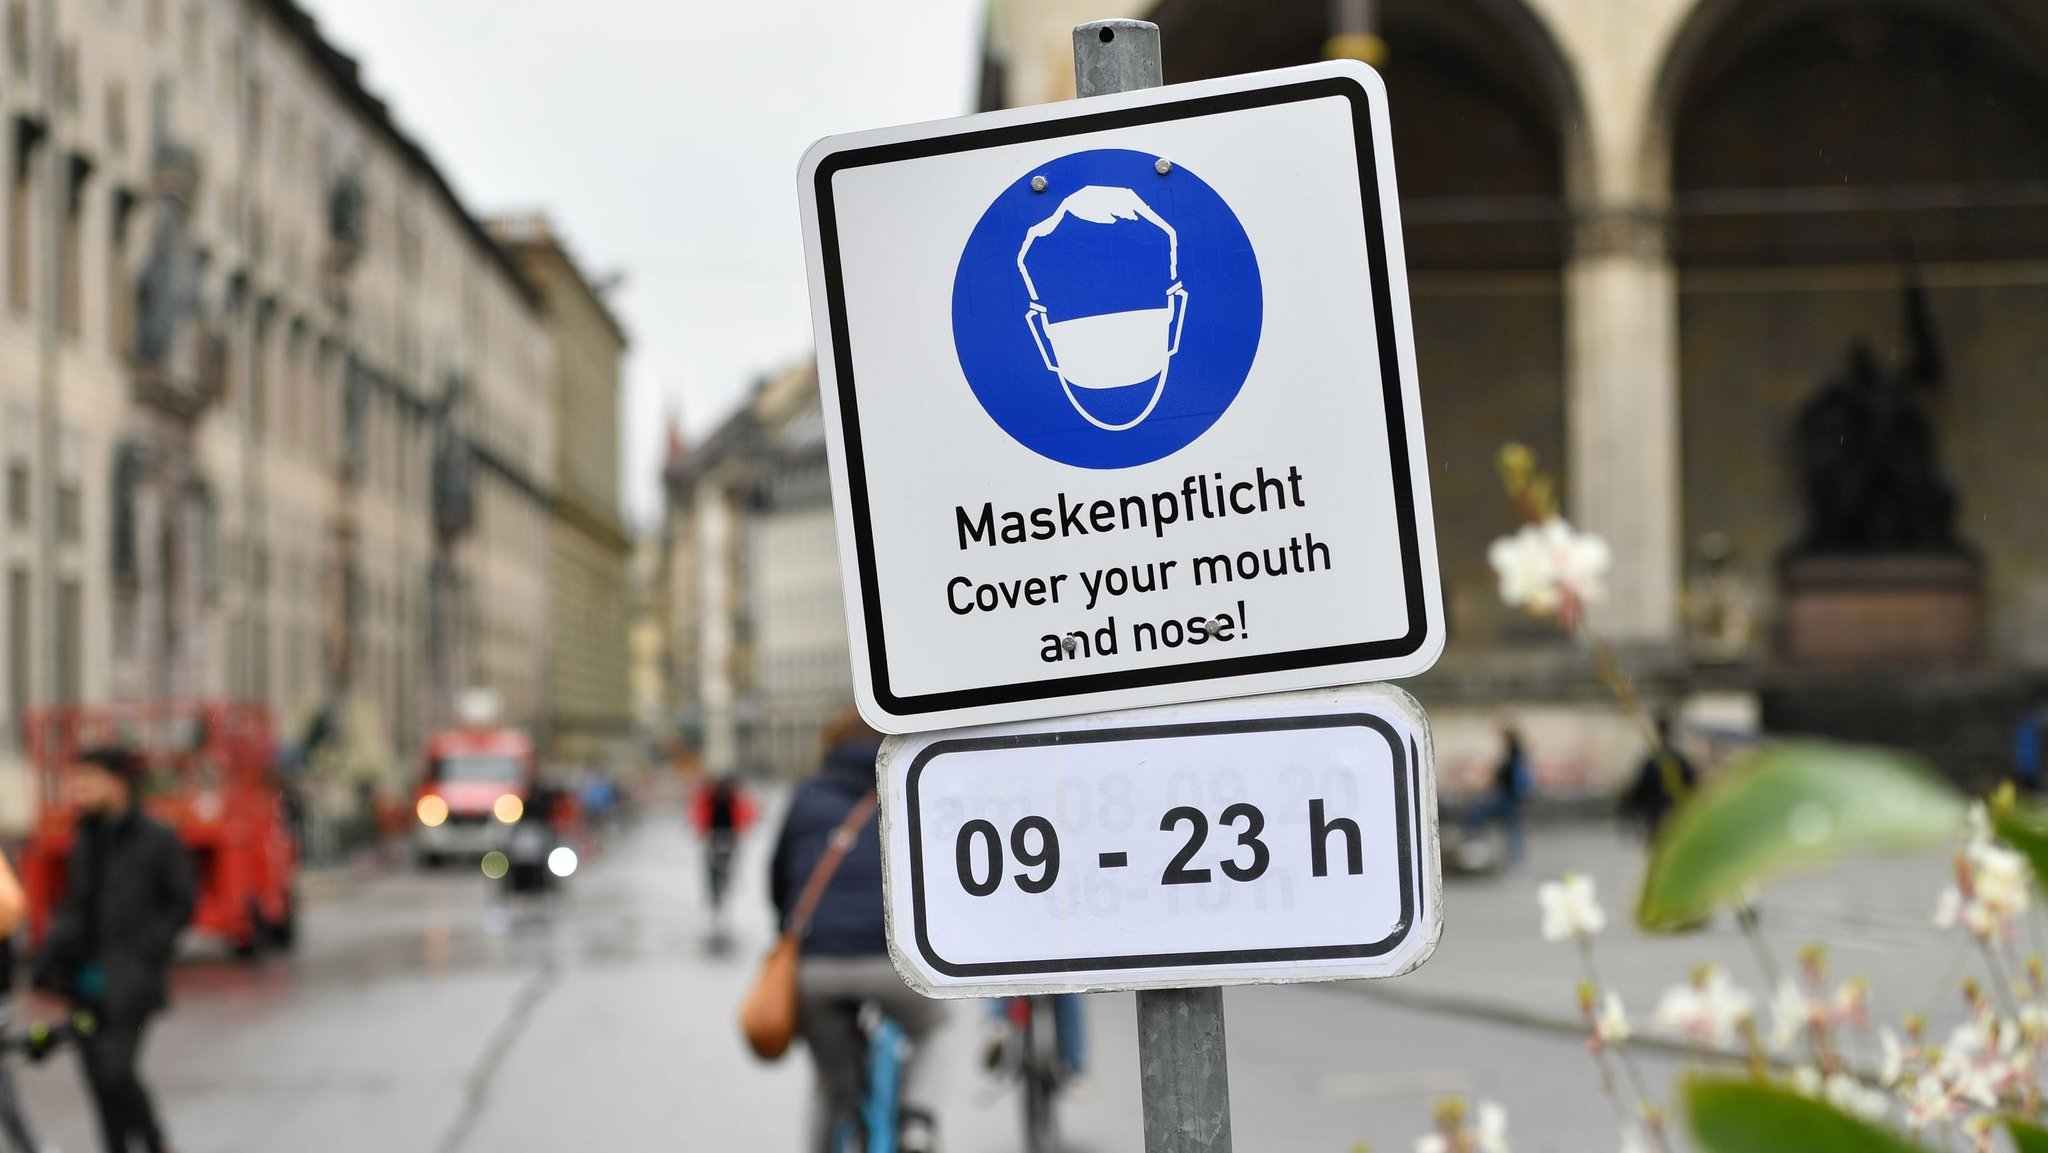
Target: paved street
421,1015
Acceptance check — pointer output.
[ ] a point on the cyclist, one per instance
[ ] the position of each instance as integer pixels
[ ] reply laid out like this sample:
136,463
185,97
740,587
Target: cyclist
720,811
1067,1026
846,965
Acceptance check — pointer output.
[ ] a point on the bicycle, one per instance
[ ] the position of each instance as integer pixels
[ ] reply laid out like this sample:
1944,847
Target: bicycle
36,1043
883,1125
720,846
1031,1054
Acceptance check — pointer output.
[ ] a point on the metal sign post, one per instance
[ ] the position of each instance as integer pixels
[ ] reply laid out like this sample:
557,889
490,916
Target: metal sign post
1183,1070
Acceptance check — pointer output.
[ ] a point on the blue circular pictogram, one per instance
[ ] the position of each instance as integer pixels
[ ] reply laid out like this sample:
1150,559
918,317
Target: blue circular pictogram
1106,312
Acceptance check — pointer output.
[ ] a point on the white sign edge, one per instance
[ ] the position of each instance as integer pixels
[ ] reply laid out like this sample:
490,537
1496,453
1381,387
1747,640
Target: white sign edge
825,355
1374,695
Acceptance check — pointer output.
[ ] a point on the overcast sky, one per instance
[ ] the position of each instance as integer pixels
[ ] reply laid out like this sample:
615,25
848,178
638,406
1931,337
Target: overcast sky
663,139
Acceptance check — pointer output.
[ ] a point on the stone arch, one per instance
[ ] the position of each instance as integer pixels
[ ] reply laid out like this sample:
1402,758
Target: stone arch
1491,151
1819,155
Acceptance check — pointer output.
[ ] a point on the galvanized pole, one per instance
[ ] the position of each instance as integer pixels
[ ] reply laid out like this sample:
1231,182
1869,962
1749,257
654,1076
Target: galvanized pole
1184,1077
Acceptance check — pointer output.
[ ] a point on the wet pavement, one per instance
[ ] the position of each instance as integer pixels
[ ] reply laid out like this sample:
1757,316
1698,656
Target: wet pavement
424,1013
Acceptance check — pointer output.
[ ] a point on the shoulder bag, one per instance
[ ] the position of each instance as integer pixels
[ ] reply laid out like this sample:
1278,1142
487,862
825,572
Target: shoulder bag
768,1015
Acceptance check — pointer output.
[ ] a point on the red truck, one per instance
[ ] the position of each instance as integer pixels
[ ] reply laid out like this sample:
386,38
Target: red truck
209,778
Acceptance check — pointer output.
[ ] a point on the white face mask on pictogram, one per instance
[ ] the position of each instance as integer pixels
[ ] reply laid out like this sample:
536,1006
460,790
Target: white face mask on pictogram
1109,351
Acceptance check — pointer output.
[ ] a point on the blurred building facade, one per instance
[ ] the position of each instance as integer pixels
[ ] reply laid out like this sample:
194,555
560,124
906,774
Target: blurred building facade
279,413
1642,234
590,701
757,626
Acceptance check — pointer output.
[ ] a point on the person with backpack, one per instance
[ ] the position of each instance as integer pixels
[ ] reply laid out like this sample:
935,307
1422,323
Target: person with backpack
1512,784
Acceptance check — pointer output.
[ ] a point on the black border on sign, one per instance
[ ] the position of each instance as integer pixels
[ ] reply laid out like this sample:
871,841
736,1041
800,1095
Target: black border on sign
1390,377
1406,768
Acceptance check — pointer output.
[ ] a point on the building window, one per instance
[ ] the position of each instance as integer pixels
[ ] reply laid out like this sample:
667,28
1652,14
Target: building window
20,219
17,647
67,76
117,117
195,42
70,512
70,505
19,502
70,641
71,285
120,288
19,51
259,384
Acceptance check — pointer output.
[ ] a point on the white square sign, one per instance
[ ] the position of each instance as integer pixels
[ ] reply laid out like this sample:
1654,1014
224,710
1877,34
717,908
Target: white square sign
1278,838
1122,400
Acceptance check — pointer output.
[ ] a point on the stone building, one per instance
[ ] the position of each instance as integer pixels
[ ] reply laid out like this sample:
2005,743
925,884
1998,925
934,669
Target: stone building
757,634
590,703
277,413
1642,234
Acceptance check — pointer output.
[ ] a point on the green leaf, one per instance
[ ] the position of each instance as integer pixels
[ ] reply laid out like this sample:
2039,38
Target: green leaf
1790,805
2025,829
2027,1137
1756,1117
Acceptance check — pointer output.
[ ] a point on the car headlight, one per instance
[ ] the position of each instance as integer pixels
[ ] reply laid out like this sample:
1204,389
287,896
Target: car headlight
432,810
562,862
508,808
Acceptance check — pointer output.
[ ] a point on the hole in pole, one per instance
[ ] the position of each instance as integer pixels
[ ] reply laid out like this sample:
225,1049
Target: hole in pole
1106,35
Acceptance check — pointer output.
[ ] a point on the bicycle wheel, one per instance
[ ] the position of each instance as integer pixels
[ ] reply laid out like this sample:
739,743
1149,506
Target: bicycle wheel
1038,1076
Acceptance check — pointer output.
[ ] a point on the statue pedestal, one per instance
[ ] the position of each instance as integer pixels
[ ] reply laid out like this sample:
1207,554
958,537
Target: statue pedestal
1880,611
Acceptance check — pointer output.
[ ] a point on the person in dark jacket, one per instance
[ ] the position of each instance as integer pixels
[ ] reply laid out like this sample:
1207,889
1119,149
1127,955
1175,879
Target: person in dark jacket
128,896
1512,784
1663,779
846,954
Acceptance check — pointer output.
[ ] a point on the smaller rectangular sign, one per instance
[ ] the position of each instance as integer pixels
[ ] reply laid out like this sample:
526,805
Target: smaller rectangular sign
1285,838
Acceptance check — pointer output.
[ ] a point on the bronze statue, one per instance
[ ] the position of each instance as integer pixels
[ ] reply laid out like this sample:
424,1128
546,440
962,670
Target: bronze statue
1868,458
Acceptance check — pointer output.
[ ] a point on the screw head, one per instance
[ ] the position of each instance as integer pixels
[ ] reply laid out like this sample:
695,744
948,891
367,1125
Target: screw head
1038,184
1164,166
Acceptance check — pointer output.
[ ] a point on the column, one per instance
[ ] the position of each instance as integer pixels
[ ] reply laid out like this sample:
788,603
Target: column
1621,312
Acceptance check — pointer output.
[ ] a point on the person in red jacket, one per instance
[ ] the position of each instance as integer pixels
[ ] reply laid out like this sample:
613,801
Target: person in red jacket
721,811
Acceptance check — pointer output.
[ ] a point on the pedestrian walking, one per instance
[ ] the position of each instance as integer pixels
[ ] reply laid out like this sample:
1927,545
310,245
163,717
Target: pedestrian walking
1511,786
845,964
2029,736
129,895
1663,779
14,1121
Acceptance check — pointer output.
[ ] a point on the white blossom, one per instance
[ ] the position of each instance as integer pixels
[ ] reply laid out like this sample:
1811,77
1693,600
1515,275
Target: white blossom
1992,889
1791,1015
1542,565
1980,1061
1806,1081
1927,1103
1891,1057
1611,1025
1491,1131
1708,1010
1570,908
1432,1143
1855,1098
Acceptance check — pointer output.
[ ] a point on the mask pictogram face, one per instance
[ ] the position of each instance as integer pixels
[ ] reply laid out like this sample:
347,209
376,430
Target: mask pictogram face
1107,308
1071,307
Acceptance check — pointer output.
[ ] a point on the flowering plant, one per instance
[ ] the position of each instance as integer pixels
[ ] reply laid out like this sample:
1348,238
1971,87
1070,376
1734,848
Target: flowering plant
1823,1075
